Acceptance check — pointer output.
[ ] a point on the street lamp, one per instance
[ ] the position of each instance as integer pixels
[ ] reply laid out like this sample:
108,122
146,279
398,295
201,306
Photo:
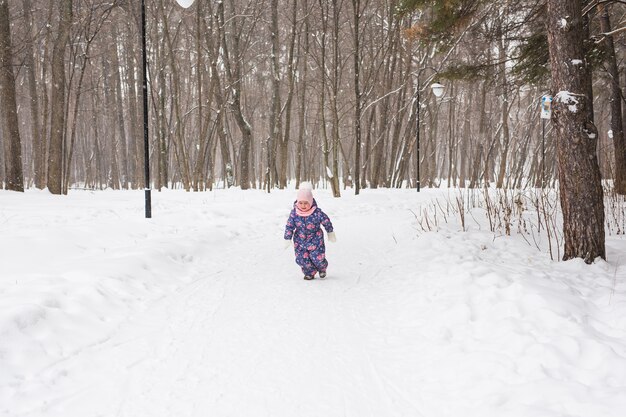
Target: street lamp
438,92
437,89
146,141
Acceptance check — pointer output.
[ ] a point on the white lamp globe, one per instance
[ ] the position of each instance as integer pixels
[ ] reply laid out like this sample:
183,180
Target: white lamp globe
185,3
437,89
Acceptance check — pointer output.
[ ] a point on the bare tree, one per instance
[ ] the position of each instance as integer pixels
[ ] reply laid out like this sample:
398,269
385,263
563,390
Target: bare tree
344,69
356,9
615,102
58,99
8,106
39,145
231,37
291,69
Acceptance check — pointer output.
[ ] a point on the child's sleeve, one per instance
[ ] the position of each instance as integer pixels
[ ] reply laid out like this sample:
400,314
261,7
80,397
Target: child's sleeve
326,222
291,226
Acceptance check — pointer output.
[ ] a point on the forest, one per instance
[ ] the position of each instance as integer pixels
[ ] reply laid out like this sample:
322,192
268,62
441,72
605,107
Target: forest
470,94
257,93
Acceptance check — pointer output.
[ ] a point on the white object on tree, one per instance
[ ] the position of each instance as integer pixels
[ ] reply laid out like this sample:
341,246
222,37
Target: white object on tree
185,3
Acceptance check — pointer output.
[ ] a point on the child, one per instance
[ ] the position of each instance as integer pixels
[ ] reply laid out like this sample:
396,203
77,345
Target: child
303,226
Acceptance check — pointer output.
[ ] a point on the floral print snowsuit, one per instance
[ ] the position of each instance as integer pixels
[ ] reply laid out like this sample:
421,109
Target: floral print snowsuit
308,239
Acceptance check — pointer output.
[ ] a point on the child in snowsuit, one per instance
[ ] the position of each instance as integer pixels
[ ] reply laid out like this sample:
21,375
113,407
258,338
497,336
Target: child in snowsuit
304,227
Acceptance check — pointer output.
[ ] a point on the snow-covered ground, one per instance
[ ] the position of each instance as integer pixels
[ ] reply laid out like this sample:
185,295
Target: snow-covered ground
200,311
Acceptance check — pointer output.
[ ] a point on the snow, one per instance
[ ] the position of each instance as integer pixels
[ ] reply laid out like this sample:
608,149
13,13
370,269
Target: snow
568,99
200,311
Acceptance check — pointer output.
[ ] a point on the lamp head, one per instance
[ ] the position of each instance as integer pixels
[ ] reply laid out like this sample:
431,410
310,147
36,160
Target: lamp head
437,89
185,3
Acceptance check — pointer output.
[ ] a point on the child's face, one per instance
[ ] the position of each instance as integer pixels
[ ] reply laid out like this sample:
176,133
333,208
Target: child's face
303,205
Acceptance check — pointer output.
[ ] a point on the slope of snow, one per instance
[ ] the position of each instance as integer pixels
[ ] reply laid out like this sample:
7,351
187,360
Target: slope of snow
200,311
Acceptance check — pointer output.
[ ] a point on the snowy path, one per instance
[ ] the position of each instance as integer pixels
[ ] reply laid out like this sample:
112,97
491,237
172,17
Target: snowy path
448,325
247,334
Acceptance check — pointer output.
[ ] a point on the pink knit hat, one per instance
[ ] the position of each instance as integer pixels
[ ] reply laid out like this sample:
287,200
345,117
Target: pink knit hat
305,193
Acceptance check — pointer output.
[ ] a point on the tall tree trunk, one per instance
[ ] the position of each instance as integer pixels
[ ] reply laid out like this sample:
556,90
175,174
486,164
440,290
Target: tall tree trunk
58,105
39,148
506,137
615,100
198,180
213,48
356,6
178,136
368,147
464,141
334,181
325,145
10,125
291,66
452,140
379,169
45,97
304,63
275,134
576,136
109,100
232,62
135,138
119,108
479,151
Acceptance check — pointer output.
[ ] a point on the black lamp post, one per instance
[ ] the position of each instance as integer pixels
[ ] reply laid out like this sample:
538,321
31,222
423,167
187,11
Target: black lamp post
438,92
146,141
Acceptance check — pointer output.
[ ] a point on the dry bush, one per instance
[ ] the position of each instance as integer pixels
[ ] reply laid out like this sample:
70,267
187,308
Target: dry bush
534,214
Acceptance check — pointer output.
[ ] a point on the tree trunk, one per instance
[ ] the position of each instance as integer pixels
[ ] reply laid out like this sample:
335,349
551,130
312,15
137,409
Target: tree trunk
109,100
615,100
579,175
452,140
506,137
275,134
334,181
232,62
325,145
133,70
39,148
356,5
160,131
464,140
202,158
178,137
119,108
304,63
12,143
288,104
57,113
